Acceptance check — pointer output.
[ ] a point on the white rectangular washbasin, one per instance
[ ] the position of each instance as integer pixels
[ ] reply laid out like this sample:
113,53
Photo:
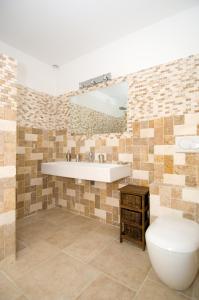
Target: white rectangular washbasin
87,170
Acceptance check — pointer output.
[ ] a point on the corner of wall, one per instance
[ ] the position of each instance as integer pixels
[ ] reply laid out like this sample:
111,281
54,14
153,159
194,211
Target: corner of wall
8,109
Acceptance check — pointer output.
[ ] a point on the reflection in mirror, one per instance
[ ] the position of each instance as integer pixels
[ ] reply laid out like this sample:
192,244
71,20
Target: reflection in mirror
100,111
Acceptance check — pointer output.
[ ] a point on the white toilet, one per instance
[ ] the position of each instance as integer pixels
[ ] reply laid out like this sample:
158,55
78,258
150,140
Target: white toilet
173,245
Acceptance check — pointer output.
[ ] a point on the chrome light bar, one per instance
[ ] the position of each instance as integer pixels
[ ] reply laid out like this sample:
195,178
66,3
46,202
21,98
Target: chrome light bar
95,80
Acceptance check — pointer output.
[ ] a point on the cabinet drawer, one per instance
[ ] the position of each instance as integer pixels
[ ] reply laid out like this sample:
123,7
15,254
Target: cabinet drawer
131,201
131,216
132,231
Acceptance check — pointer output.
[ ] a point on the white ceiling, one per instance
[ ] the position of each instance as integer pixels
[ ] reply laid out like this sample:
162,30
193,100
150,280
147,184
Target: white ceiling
57,31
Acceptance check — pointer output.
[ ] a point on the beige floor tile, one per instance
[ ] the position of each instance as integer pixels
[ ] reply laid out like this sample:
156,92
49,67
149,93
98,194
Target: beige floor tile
192,291
60,278
88,246
71,231
29,258
153,276
43,272
20,245
79,220
110,231
124,262
34,218
62,238
36,231
152,290
56,216
104,288
8,290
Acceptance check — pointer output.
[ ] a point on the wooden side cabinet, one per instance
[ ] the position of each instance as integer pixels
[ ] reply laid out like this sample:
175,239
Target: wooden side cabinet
134,214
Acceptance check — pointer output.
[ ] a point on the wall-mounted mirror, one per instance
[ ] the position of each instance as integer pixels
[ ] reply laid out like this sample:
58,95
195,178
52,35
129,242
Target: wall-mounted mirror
100,111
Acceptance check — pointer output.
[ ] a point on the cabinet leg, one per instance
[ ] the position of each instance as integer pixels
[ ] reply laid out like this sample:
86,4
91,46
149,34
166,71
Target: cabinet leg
143,246
121,239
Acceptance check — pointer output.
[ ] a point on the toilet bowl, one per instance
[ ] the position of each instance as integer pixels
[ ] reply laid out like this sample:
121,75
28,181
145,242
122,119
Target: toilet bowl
173,244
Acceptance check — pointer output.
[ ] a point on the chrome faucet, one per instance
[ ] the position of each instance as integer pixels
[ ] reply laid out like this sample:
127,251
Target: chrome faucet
91,156
101,158
68,156
77,158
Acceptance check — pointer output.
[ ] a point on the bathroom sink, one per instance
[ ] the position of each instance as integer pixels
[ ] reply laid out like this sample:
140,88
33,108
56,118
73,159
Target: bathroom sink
87,170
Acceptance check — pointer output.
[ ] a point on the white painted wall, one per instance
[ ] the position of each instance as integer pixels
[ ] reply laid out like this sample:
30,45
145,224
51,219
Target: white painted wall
31,72
169,39
172,38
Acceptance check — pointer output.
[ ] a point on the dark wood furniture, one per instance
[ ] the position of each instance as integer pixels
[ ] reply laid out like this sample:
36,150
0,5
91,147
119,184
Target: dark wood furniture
134,214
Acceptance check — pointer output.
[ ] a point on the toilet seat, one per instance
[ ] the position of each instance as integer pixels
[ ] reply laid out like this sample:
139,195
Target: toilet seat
174,234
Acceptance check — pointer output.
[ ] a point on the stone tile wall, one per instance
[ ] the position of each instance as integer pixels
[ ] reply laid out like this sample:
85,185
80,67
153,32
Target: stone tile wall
163,104
84,120
7,156
173,177
176,175
163,90
35,109
97,200
36,113
34,190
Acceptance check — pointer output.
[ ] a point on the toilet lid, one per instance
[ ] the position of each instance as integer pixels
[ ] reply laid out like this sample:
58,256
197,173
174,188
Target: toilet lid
174,234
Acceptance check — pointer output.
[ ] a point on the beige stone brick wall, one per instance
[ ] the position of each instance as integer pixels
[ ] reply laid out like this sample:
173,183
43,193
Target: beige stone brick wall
163,103
36,114
84,120
163,90
173,177
34,189
7,156
35,109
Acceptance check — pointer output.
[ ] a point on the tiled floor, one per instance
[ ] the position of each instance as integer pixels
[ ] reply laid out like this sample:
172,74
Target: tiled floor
62,256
